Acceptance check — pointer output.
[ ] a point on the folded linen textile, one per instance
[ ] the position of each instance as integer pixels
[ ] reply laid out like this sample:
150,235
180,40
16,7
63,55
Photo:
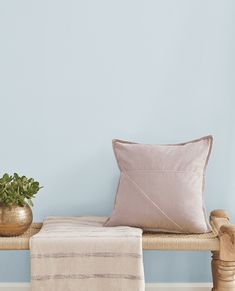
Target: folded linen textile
79,254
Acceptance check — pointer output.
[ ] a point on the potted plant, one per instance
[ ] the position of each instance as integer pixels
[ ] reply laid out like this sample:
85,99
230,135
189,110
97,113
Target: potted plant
16,194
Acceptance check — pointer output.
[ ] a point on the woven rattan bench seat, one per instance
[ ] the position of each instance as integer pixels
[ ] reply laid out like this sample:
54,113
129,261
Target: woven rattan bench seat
151,241
221,241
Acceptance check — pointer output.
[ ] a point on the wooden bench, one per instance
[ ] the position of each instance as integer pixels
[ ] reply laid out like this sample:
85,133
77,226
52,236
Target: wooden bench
221,242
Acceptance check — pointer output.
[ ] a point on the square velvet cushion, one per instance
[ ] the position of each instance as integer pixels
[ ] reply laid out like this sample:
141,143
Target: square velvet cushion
161,186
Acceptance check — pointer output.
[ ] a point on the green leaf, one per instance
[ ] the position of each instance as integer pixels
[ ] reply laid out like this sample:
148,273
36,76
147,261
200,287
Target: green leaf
16,176
17,189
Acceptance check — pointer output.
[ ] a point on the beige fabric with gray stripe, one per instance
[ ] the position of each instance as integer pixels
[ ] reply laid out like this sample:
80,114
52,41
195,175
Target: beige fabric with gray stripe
78,253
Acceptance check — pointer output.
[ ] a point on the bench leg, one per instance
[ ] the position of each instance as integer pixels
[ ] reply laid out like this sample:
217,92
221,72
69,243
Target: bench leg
223,273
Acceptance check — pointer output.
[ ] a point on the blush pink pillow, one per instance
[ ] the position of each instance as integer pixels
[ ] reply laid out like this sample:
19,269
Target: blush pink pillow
161,186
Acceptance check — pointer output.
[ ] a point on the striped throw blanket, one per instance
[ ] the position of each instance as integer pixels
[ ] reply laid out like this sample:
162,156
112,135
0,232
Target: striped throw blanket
79,254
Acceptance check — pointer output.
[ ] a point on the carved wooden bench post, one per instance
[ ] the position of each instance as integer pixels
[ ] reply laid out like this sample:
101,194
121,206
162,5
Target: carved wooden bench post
223,261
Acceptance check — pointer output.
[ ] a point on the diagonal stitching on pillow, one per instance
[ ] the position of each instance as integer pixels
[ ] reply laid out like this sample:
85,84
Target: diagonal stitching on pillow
150,200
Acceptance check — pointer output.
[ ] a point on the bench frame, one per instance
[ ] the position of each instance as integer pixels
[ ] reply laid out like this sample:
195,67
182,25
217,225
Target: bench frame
223,260
221,243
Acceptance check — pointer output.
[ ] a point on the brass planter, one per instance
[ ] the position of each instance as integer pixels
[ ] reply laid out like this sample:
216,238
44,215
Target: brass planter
15,220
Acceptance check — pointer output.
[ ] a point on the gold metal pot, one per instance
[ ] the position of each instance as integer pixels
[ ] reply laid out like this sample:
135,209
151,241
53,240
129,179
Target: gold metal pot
15,220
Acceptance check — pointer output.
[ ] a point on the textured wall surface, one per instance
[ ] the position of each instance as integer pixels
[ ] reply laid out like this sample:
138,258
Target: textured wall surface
75,74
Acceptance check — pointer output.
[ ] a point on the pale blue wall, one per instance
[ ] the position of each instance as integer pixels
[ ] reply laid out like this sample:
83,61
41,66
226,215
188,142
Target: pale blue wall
75,74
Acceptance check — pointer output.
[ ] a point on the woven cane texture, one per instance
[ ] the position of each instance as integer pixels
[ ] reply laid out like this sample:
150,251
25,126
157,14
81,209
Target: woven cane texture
151,241
192,242
19,242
